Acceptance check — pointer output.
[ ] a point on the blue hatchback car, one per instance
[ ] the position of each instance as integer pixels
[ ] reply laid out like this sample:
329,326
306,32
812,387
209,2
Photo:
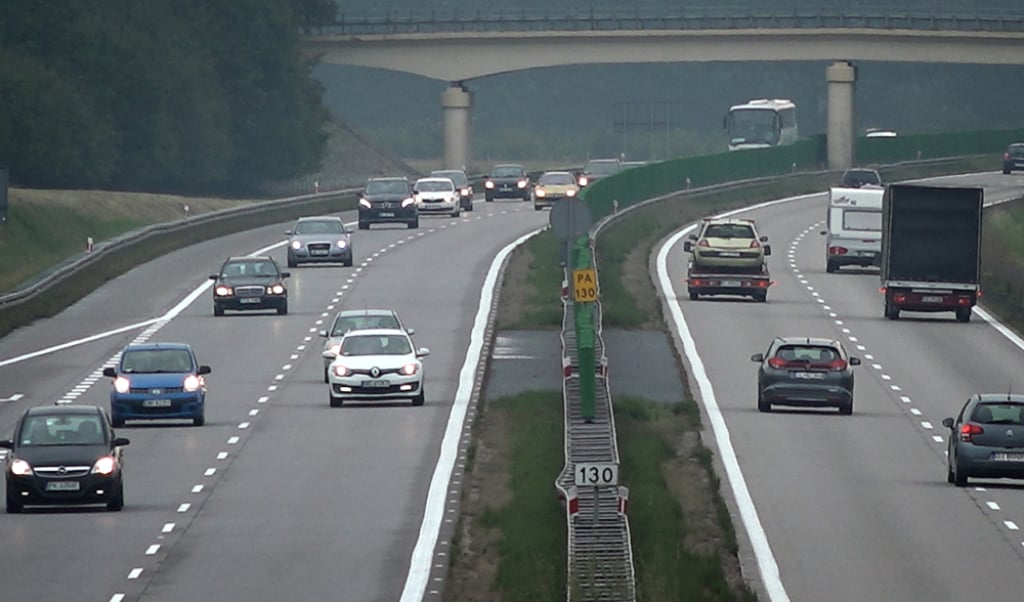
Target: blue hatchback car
157,381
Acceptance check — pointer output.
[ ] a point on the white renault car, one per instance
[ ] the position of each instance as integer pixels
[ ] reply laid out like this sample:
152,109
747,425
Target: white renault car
377,364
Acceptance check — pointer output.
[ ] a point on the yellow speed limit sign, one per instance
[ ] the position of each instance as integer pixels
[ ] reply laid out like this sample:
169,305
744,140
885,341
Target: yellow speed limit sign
584,285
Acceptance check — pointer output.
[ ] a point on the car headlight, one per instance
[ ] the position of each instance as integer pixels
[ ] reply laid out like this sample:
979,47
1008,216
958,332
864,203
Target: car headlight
521,183
539,192
410,368
584,180
488,184
296,245
104,465
340,370
342,244
192,383
365,203
122,384
464,192
408,201
223,291
277,289
21,468
570,192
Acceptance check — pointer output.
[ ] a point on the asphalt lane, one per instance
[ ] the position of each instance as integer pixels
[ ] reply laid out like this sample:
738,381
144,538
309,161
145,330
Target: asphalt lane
323,503
858,508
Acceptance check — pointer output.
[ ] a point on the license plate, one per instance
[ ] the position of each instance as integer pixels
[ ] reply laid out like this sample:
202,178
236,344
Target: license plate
730,283
1007,457
62,486
931,299
867,253
375,384
387,214
729,254
506,188
809,375
156,403
250,300
318,252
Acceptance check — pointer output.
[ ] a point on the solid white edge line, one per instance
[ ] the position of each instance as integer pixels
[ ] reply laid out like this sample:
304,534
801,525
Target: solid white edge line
434,509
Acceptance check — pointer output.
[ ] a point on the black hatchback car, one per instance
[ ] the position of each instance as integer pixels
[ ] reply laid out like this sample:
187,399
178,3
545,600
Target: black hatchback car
986,439
248,283
1013,158
806,372
507,181
388,201
64,455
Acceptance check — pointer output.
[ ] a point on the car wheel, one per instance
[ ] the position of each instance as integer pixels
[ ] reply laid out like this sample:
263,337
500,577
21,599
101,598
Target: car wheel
469,207
762,404
959,478
419,399
334,401
950,476
694,296
116,502
218,310
199,420
291,263
846,408
963,314
116,422
13,504
327,380
537,207
831,267
761,297
488,199
1006,172
364,226
283,310
892,313
414,224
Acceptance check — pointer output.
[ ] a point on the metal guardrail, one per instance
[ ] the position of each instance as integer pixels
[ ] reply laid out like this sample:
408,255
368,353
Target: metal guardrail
931,15
125,241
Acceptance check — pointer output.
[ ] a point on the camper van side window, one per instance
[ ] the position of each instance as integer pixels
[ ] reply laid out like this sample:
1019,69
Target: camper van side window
862,220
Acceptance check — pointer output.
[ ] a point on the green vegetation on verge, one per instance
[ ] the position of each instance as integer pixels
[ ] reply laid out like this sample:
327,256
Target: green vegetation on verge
1002,263
537,306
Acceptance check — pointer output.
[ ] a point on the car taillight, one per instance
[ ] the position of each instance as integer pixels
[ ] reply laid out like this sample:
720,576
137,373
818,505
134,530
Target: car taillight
703,243
963,300
837,365
755,244
777,362
899,298
968,430
837,251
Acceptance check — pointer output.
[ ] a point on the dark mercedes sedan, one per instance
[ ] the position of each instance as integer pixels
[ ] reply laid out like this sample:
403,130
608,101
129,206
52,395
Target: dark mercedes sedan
248,283
388,201
64,455
986,439
320,239
805,372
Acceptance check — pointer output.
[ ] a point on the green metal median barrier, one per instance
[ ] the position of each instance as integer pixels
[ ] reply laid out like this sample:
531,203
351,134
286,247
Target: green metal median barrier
585,294
875,151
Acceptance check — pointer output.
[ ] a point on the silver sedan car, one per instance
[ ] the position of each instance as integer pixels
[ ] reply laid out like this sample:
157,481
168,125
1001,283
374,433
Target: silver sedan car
320,239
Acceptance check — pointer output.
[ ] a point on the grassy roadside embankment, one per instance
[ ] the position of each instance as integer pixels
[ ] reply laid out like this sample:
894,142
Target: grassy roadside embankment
684,543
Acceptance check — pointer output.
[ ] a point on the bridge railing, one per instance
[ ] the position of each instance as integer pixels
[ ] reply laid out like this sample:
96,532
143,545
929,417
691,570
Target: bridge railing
937,15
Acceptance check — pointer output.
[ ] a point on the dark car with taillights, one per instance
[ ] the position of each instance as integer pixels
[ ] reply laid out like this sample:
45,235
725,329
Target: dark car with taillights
1013,158
319,239
64,455
986,439
250,283
507,181
805,372
388,201
157,381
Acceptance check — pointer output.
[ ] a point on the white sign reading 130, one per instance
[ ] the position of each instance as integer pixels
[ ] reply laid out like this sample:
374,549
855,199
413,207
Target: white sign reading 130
597,473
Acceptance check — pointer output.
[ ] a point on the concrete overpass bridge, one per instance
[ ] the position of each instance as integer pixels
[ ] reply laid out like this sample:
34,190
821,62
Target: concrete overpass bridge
460,47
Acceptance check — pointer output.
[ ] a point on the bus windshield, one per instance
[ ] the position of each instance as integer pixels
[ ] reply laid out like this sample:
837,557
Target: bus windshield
754,126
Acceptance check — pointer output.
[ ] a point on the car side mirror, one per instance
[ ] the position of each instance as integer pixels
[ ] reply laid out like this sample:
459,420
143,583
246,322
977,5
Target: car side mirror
946,422
757,357
823,232
286,274
214,276
411,331
110,372
323,334
692,237
854,361
288,232
767,250
763,239
6,444
687,247
422,352
204,370
119,441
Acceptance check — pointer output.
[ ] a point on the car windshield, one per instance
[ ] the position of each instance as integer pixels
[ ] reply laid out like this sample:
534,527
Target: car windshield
61,430
156,360
387,187
602,167
998,413
458,177
1016,150
558,179
729,231
860,178
386,344
812,355
508,171
325,226
344,324
236,269
435,186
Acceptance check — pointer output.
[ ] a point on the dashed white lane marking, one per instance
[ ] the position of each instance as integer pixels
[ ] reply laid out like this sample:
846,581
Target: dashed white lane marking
992,505
232,440
153,549
167,528
197,489
184,507
135,573
117,598
1011,525
243,425
222,455
210,472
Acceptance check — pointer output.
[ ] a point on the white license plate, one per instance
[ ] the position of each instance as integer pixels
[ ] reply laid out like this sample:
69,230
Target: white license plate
809,375
250,300
318,253
931,299
156,403
867,253
62,486
376,384
730,283
729,254
387,214
1007,457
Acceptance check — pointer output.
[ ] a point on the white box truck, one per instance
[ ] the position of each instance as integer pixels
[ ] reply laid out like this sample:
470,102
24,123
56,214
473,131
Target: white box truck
853,227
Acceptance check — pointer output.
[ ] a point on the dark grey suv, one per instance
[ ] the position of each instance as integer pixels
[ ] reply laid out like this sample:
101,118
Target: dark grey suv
986,439
806,372
388,201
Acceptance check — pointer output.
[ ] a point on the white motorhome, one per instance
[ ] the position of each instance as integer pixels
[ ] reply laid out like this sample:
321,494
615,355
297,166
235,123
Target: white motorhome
853,235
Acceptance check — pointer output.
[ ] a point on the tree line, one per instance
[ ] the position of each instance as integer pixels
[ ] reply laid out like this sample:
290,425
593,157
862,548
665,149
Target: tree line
182,96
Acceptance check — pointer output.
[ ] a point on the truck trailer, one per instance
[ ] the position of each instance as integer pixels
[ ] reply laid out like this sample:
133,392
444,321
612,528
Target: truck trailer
931,249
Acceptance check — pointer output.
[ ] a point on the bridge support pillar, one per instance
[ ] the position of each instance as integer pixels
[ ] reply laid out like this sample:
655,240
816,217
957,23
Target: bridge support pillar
457,106
841,76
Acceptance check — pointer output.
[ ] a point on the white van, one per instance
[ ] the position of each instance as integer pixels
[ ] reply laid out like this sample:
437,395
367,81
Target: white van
853,235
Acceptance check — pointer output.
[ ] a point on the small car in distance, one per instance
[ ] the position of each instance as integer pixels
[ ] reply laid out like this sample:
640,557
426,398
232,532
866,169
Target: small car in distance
388,201
506,181
858,177
1013,158
552,186
595,169
348,320
64,455
378,364
320,239
461,181
437,195
986,439
728,244
249,283
157,381
805,372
